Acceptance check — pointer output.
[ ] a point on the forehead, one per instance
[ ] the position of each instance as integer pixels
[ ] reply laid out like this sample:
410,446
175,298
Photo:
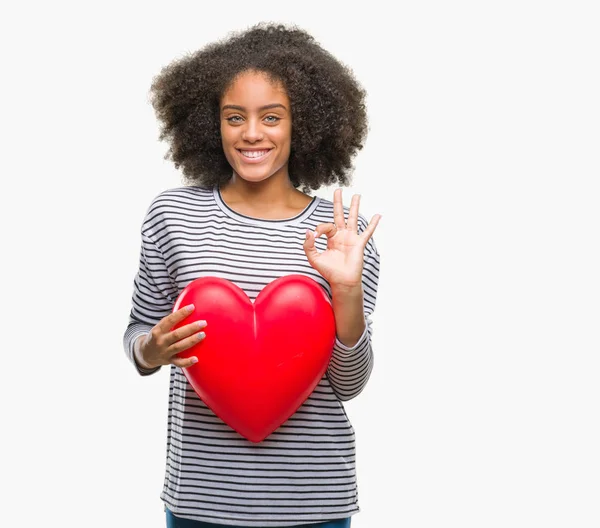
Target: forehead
254,89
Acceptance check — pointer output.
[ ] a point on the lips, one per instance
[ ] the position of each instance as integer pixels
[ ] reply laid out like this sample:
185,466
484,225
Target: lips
253,156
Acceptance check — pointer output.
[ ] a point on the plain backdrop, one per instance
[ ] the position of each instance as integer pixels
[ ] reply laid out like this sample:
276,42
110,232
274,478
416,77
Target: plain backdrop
482,157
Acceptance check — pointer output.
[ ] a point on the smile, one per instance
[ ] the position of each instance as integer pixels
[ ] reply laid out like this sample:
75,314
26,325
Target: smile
254,156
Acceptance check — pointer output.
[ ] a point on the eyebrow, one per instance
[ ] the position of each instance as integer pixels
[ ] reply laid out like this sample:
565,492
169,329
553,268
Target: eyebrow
266,107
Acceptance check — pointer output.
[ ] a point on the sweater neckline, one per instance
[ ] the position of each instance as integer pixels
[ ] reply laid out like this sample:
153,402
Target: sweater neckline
294,220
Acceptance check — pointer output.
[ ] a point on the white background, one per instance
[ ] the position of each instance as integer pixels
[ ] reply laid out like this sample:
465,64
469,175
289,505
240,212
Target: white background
483,158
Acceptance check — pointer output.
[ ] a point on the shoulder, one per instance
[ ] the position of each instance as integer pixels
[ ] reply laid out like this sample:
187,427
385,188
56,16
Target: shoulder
179,197
174,201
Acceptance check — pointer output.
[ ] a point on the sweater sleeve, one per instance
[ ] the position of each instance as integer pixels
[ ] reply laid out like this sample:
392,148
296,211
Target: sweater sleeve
153,298
350,367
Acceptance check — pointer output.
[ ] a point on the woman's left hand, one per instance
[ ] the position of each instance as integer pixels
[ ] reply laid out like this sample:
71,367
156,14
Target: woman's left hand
341,264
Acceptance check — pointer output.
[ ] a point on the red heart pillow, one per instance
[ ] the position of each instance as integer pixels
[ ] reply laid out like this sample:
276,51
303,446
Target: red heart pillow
258,362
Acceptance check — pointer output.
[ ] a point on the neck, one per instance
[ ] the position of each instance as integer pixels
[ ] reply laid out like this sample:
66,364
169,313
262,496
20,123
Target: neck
276,189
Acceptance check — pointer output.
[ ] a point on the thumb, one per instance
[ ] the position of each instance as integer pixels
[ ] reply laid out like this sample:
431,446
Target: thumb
309,246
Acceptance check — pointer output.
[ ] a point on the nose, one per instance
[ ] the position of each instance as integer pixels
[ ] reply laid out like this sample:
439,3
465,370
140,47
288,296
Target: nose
252,131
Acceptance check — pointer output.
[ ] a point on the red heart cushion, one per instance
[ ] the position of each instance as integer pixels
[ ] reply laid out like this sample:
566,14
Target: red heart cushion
258,362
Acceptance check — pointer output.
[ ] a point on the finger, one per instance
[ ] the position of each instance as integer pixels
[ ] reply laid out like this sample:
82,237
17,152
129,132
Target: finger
309,247
326,229
167,323
370,229
185,363
180,333
353,214
184,344
338,209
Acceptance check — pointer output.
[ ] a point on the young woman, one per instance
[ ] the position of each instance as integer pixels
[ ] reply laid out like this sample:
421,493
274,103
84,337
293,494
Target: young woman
250,120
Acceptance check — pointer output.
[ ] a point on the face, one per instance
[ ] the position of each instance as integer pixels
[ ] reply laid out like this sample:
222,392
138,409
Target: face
256,127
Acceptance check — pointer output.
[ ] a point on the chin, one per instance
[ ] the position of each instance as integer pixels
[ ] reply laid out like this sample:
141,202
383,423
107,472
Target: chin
253,177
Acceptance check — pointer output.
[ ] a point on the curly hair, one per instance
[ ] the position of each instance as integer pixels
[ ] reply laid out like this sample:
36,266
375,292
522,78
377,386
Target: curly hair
329,118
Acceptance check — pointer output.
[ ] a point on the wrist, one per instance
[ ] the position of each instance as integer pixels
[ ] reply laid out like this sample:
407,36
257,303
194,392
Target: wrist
137,353
347,291
348,308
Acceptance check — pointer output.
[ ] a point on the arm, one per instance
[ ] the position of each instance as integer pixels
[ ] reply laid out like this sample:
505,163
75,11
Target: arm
352,359
153,297
350,264
349,314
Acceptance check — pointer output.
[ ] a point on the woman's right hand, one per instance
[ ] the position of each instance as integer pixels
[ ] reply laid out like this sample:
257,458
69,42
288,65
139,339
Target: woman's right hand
161,345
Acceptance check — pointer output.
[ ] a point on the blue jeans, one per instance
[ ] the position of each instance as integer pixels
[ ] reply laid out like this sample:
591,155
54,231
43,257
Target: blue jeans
178,522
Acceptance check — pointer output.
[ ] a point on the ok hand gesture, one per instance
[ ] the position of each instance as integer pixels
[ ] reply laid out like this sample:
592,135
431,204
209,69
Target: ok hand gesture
341,264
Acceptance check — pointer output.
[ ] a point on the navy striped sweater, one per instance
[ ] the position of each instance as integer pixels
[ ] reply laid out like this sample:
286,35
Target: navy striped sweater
303,472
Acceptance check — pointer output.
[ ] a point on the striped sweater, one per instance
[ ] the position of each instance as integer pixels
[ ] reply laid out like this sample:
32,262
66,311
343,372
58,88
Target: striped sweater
303,472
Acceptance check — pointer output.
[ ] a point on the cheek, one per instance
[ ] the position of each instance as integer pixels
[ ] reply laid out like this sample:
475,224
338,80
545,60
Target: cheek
225,138
226,145
284,135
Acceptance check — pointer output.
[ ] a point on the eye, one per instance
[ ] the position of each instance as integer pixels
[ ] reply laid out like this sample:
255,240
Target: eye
275,118
232,119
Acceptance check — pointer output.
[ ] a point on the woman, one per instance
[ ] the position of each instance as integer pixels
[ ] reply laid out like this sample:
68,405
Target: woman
250,119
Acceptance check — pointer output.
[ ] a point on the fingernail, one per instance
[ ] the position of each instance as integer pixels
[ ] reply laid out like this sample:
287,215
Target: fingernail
194,360
189,307
201,324
201,335
307,233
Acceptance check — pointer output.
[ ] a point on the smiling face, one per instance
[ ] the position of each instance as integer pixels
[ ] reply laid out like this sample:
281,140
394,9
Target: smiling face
256,127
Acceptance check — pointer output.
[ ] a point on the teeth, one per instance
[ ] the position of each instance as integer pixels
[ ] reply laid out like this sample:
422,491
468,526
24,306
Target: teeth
254,154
